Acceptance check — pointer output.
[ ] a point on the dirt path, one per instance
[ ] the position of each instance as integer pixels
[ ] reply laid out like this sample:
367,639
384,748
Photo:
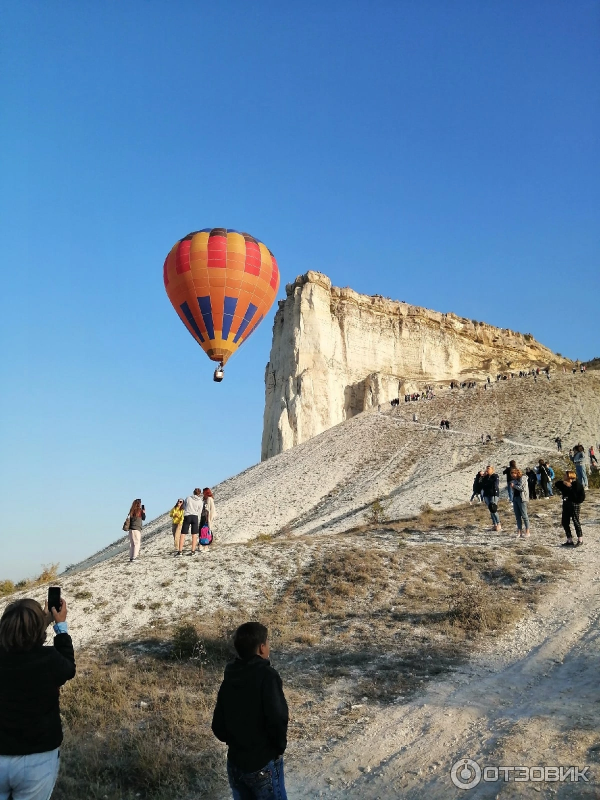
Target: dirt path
530,698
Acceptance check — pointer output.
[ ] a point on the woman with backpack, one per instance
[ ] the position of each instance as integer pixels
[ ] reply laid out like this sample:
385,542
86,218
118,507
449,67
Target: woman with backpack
206,518
573,495
137,514
520,496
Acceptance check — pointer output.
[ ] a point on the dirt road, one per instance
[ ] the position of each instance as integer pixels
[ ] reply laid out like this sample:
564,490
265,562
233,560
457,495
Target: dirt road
530,698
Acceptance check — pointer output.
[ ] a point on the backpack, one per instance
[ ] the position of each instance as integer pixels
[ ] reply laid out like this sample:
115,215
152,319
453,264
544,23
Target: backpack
206,536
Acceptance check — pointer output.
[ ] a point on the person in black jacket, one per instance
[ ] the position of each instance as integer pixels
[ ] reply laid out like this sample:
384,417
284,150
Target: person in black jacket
251,717
490,487
477,488
30,679
573,495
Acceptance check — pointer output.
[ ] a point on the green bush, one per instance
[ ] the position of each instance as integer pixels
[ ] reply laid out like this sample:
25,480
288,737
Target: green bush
594,479
187,642
6,587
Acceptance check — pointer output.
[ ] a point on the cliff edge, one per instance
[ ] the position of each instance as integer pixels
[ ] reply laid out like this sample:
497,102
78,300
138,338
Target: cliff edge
336,353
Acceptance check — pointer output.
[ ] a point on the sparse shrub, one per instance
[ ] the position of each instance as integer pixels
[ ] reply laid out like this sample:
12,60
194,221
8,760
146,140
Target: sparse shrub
187,642
85,595
154,606
476,608
264,537
139,606
6,587
594,479
47,575
377,512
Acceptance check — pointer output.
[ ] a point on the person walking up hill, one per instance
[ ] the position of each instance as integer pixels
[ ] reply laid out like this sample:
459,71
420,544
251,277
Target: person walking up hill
137,515
573,495
491,494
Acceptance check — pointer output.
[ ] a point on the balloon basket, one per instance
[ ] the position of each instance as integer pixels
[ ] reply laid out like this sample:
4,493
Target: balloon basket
219,374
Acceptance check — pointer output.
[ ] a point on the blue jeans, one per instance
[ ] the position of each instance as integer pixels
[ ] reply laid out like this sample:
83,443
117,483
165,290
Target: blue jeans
510,493
265,784
581,475
29,777
493,514
520,509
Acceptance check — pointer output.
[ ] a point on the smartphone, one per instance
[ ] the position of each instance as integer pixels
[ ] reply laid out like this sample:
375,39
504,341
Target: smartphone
54,600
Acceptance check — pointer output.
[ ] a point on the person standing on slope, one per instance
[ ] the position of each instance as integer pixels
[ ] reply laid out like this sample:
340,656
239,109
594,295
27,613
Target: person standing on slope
578,459
251,717
531,483
176,514
520,496
208,514
551,475
507,471
477,486
137,515
192,511
573,495
491,494
558,441
544,477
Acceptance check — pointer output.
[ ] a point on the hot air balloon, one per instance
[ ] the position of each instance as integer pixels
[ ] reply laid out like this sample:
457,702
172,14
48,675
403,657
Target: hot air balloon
221,283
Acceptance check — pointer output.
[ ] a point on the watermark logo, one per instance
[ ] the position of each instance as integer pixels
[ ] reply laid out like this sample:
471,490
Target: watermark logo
466,774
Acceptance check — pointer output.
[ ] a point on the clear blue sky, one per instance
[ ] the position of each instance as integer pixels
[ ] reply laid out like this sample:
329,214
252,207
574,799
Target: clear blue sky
441,153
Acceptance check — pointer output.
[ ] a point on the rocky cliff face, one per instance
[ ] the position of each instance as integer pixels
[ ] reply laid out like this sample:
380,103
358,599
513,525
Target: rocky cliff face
336,353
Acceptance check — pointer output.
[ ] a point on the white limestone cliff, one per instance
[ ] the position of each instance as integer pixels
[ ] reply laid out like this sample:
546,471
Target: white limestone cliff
336,353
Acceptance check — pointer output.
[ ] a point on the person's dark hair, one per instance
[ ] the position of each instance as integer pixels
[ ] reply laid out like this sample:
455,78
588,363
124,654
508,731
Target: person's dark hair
248,637
136,508
197,492
23,626
512,464
207,492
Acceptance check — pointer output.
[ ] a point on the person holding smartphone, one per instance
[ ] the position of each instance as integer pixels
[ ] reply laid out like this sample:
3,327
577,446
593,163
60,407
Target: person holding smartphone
30,679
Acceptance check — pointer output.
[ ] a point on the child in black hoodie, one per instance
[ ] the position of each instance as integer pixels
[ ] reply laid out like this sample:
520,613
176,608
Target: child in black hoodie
251,717
573,495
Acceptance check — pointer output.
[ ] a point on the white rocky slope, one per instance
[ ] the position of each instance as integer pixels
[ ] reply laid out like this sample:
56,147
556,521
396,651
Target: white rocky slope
336,353
326,485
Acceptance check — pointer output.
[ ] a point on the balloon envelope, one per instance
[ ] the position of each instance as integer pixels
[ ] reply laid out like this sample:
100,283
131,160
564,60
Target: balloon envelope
221,283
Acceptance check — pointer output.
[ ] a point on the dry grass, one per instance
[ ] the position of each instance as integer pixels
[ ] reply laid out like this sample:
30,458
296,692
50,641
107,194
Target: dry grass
361,620
48,574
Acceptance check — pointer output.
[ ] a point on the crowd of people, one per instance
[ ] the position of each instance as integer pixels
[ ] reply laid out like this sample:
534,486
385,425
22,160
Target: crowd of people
251,712
193,516
535,483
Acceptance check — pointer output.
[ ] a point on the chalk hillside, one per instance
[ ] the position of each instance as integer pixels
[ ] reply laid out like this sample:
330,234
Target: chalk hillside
326,486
